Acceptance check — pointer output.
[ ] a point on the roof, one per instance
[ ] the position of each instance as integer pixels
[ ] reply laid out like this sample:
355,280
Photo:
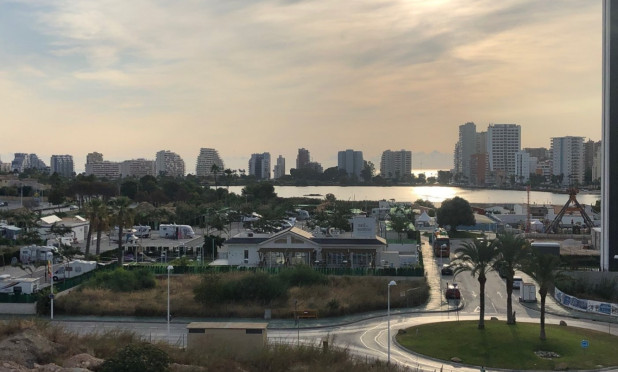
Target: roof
350,241
245,240
226,325
51,219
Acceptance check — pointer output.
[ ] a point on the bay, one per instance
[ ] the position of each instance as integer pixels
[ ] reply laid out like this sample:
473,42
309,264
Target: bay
435,194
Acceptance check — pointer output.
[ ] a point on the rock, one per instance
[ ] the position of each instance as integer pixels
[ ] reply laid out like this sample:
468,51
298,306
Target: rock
83,361
456,360
402,332
27,348
493,318
561,367
9,366
185,368
563,323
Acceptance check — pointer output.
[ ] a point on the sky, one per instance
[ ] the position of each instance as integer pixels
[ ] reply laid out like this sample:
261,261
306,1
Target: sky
130,78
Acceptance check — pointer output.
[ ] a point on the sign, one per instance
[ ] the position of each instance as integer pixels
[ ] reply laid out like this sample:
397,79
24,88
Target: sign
51,296
584,344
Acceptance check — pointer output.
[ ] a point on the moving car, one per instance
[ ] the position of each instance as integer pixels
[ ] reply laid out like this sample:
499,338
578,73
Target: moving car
446,270
517,282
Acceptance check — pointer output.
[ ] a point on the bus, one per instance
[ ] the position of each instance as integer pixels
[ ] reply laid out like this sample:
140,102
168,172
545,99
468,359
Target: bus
441,243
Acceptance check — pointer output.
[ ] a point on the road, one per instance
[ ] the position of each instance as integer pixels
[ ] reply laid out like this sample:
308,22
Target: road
368,339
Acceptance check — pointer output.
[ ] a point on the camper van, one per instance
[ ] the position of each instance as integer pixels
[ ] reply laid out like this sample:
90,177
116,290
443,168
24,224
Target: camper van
141,231
174,231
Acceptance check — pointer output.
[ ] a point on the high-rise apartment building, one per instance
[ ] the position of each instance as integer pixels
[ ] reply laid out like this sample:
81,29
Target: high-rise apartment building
103,169
465,148
396,164
170,164
503,142
541,153
23,161
62,164
351,161
137,168
259,166
205,160
279,170
522,167
567,157
302,159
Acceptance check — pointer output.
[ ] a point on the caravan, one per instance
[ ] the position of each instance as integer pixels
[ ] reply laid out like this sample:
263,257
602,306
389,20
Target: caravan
18,285
174,231
35,253
73,269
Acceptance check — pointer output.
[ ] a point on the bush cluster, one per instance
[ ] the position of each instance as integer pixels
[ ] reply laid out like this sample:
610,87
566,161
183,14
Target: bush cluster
137,357
302,275
121,280
259,287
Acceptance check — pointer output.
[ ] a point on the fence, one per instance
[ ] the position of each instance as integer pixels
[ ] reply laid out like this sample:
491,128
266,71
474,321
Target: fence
189,269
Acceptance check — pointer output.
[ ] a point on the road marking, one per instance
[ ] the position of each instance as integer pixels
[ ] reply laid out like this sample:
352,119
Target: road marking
499,294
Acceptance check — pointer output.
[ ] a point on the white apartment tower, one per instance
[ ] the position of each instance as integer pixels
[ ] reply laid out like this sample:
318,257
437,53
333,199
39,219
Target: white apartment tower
567,156
351,161
137,168
522,167
62,164
396,164
465,148
503,142
170,164
205,160
259,166
279,170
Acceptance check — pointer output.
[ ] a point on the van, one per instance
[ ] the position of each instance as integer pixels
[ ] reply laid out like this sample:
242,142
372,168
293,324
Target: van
517,282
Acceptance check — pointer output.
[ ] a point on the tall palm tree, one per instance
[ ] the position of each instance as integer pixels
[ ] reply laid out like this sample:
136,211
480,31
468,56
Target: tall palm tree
102,225
512,252
545,269
214,170
92,209
477,257
122,216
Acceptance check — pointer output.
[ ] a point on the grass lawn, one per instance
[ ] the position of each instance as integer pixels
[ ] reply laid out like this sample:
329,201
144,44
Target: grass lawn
512,346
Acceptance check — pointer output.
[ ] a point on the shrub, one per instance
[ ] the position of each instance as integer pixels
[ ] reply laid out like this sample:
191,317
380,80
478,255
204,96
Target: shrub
259,287
137,357
121,280
302,275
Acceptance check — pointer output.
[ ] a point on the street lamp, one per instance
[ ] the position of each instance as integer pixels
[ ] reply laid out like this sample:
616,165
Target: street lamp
392,283
169,270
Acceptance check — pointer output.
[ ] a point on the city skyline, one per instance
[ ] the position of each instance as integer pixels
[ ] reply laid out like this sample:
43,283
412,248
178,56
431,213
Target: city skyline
241,77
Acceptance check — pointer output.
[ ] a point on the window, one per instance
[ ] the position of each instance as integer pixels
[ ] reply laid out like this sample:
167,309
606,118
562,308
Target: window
246,254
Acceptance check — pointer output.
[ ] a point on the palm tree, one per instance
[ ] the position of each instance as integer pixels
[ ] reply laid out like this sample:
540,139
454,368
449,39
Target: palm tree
544,268
477,257
103,224
122,216
512,252
93,207
214,170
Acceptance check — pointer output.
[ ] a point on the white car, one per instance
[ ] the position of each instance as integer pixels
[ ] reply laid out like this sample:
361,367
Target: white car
517,281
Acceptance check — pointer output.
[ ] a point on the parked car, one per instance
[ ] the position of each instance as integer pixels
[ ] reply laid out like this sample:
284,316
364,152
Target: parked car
4,204
446,269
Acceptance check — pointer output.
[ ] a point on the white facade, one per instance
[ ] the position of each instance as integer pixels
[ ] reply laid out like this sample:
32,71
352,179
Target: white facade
62,164
351,161
279,170
259,166
108,169
205,160
503,142
596,164
567,155
137,168
169,164
396,164
522,167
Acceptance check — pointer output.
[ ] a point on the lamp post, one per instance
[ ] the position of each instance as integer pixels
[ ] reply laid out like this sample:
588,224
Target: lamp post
169,270
392,283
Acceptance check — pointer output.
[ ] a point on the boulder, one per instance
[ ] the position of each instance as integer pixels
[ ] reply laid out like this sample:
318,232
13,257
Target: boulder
561,367
86,361
563,323
27,348
456,360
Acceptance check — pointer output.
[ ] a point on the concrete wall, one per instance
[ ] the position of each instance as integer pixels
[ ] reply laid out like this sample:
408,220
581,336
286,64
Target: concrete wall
27,309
